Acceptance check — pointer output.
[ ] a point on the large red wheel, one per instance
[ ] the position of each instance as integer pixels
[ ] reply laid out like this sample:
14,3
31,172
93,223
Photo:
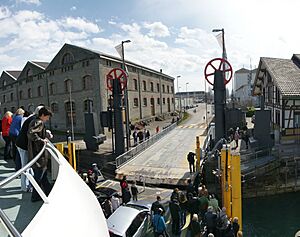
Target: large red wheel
116,74
217,64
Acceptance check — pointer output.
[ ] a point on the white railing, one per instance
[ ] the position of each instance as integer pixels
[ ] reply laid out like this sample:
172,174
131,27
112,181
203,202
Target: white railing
71,208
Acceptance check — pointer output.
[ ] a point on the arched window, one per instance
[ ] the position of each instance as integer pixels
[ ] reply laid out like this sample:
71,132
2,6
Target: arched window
67,58
144,86
87,82
68,85
88,105
21,95
40,91
29,72
11,96
30,108
29,93
163,88
52,88
70,113
151,86
135,84
54,107
135,102
168,89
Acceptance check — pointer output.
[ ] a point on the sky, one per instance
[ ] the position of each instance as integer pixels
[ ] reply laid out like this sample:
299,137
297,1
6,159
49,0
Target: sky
173,35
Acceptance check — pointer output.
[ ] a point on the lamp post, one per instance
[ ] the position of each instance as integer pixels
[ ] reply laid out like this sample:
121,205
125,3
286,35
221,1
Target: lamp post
126,99
179,104
186,94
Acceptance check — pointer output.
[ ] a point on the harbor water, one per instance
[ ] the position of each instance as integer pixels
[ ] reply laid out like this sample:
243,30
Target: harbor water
276,216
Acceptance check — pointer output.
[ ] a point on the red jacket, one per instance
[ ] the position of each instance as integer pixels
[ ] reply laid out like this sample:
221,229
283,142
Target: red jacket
6,122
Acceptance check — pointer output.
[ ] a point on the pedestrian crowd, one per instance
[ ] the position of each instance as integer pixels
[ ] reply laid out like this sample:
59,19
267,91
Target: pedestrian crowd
25,135
207,219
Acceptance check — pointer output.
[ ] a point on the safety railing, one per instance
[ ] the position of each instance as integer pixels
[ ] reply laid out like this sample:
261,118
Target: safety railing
11,230
129,155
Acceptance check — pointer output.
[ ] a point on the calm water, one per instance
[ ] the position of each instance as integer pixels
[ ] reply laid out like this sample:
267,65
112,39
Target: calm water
276,216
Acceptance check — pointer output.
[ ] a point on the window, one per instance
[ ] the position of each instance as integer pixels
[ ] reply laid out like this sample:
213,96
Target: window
168,89
67,58
4,83
163,88
21,95
135,102
40,91
52,88
158,101
70,113
145,102
29,93
172,100
108,63
11,96
68,85
144,86
164,100
87,82
13,109
4,98
151,86
28,72
172,90
54,107
157,86
88,105
135,84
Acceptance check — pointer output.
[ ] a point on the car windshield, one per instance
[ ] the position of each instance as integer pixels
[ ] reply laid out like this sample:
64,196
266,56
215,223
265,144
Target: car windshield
136,206
114,235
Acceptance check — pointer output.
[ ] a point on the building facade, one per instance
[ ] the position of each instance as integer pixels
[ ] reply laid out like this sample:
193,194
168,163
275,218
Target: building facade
75,81
242,87
277,83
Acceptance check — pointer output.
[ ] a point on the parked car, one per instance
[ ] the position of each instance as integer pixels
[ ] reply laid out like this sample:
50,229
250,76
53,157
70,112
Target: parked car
131,220
103,193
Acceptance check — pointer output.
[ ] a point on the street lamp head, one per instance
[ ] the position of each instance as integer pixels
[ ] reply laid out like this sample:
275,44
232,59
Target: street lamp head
178,76
217,30
126,41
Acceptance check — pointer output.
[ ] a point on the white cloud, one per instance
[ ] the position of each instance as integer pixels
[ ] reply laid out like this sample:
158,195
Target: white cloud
36,2
4,12
74,8
157,29
80,24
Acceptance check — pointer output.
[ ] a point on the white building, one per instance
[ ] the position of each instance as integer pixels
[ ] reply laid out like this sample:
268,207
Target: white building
242,87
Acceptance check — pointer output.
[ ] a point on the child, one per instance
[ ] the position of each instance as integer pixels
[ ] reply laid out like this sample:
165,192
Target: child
134,191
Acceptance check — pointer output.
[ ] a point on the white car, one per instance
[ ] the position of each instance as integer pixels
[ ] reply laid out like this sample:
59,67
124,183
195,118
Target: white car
132,220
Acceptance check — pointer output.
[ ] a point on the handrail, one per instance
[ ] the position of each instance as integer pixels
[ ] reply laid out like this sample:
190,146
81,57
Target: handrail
22,170
8,225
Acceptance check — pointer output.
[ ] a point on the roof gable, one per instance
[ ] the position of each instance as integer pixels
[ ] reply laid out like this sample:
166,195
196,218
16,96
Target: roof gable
8,77
285,74
30,69
76,53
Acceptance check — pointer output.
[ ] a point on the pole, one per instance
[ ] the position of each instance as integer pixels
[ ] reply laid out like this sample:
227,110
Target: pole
205,103
126,103
71,110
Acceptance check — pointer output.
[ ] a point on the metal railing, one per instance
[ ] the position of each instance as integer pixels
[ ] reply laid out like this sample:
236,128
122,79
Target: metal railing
3,218
129,155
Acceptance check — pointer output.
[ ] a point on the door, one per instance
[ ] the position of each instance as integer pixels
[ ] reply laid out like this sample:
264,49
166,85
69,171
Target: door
152,103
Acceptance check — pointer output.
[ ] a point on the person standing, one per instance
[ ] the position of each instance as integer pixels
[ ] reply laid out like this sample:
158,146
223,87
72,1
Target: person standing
159,224
14,131
175,215
156,205
22,146
36,141
134,191
195,226
191,160
6,122
236,137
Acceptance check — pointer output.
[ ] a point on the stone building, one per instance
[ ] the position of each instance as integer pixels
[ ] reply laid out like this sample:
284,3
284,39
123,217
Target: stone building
75,80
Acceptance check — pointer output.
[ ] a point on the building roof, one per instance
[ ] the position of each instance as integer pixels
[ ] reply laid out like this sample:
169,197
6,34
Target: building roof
285,73
244,70
14,74
43,65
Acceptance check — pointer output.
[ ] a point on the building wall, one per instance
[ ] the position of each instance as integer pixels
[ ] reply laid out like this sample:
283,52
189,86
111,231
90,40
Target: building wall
96,67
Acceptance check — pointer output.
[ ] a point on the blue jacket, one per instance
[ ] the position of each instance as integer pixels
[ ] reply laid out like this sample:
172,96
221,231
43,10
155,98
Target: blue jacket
159,223
15,126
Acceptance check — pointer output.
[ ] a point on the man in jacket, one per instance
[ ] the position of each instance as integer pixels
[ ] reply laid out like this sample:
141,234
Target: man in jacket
191,160
36,140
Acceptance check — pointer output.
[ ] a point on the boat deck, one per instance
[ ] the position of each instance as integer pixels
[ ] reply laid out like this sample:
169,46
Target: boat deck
15,203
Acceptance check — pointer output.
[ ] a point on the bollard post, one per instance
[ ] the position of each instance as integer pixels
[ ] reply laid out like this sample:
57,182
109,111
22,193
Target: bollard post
72,155
236,187
198,154
226,179
60,147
